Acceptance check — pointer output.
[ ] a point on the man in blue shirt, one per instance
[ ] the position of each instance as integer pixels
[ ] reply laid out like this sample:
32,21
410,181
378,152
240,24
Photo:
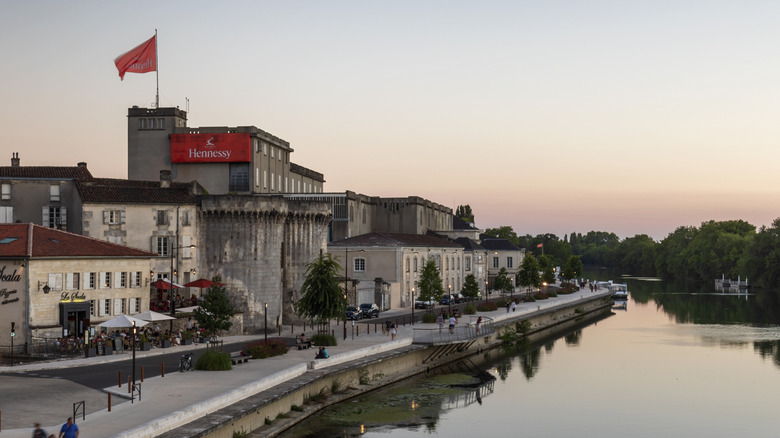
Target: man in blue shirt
69,429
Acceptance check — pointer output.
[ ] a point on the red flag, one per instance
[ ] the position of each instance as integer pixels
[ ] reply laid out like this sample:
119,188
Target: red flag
539,245
141,59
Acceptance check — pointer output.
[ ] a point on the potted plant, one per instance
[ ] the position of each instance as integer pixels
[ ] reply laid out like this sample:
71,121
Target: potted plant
91,350
186,337
165,342
145,344
108,349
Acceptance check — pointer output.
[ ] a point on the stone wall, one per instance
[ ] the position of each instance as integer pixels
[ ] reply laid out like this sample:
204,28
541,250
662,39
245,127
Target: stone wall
261,245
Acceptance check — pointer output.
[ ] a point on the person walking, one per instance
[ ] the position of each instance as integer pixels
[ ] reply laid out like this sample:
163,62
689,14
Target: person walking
388,323
514,306
453,321
440,321
393,332
479,322
38,432
69,429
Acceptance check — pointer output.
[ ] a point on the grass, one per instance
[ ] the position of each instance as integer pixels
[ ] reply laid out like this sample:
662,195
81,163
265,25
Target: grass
213,361
322,339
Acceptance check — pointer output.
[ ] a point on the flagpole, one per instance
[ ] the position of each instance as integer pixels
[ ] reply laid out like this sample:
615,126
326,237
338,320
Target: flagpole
157,72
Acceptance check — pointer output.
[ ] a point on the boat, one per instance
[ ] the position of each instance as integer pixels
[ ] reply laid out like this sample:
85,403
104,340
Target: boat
619,291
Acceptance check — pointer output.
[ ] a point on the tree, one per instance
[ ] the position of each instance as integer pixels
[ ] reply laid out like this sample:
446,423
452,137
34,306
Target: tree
214,313
505,232
572,269
470,287
464,212
502,281
322,297
528,275
430,285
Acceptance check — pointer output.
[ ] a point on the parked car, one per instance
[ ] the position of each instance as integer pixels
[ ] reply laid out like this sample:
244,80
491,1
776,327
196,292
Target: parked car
449,299
354,313
368,310
419,304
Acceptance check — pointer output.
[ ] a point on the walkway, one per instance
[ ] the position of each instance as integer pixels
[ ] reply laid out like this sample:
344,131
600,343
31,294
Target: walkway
178,398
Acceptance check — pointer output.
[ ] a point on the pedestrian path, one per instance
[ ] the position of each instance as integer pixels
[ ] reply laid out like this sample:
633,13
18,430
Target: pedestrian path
178,398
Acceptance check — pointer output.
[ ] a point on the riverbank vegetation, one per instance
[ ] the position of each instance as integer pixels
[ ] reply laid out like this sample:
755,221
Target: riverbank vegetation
733,248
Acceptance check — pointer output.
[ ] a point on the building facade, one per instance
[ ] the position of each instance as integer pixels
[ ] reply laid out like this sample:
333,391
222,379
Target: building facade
57,284
501,253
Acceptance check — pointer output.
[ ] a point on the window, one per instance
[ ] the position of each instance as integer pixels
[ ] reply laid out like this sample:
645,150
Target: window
91,307
72,281
185,218
113,217
272,180
272,153
55,281
257,145
467,263
415,264
280,182
408,264
265,149
6,192
123,280
106,307
495,262
162,247
54,193
105,280
6,215
54,217
135,305
162,217
285,184
509,262
135,279
89,280
119,306
360,265
265,179
239,177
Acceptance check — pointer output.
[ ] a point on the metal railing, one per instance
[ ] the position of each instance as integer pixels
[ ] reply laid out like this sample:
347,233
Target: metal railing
460,333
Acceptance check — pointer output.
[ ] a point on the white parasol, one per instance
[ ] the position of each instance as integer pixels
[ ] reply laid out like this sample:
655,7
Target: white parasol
150,315
122,321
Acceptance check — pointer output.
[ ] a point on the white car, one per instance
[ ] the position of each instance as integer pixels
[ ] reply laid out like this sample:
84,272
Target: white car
419,304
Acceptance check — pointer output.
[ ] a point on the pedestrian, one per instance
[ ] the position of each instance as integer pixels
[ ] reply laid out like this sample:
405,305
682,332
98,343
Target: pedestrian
514,306
453,321
479,322
69,429
508,306
388,323
188,325
393,331
38,432
440,321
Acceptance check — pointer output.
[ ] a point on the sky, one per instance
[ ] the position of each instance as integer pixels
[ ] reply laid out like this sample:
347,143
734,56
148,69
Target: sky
633,117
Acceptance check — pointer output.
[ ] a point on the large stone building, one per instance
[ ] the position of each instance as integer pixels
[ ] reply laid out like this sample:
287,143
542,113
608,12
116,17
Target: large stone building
55,283
237,160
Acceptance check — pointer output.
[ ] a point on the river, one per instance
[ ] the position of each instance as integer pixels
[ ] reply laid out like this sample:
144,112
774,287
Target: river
672,363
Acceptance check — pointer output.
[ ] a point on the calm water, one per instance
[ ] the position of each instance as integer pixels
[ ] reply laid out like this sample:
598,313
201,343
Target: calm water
671,364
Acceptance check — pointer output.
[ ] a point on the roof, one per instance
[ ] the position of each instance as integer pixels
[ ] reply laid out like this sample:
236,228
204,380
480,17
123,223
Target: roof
78,173
469,244
122,191
30,240
499,245
394,239
460,224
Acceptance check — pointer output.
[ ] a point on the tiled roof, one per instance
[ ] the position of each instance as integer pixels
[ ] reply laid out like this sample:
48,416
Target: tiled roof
122,191
469,244
30,240
499,244
78,173
460,224
394,239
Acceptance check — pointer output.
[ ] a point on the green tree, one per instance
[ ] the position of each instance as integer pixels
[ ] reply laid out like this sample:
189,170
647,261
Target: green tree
322,297
429,285
502,281
214,313
464,212
547,268
572,269
505,232
470,287
528,275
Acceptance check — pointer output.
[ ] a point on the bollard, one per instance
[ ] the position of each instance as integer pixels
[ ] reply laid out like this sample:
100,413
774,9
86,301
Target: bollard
333,333
109,402
292,329
304,326
129,384
142,373
163,370
358,331
120,378
280,330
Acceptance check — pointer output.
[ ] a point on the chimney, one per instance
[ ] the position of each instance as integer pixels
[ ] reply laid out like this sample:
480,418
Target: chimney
15,159
165,179
82,164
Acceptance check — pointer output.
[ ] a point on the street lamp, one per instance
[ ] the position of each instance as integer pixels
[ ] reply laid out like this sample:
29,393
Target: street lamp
486,290
170,286
449,299
132,390
346,277
413,306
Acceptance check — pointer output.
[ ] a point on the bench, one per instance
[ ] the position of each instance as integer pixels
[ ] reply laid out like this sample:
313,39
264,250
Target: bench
301,344
236,358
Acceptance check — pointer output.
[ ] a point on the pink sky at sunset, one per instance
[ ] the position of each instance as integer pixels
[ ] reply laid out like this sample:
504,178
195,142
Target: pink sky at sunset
629,117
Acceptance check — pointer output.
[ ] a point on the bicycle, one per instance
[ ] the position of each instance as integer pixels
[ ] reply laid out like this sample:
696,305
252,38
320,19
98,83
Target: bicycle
185,364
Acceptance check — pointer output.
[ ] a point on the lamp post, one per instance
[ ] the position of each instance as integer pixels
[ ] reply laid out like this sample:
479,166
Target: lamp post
346,277
486,290
170,280
413,306
132,390
449,299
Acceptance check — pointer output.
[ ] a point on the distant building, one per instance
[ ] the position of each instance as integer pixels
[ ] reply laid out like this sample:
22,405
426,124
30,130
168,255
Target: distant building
395,260
501,253
224,160
55,283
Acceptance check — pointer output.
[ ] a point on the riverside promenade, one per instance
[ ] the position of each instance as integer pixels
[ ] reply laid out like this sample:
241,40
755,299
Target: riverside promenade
179,398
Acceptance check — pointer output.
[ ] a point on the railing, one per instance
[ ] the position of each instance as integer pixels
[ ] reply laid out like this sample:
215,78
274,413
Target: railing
461,332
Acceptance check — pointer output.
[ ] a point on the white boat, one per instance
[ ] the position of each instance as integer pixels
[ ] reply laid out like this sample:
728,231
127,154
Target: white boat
619,291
